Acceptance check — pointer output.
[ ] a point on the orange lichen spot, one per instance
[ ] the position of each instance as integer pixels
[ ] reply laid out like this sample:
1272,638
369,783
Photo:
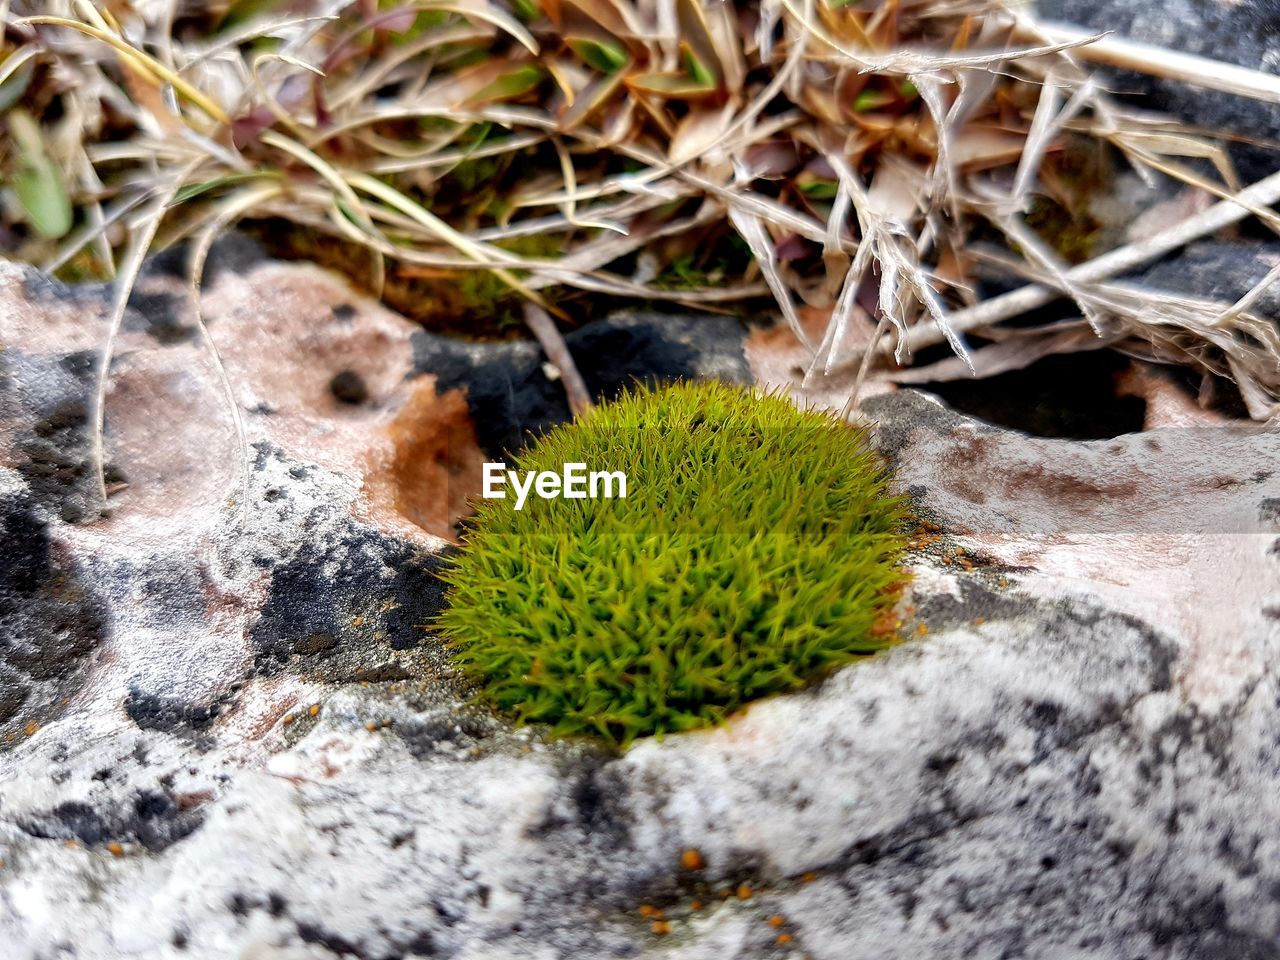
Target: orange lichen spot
72,844
371,726
1003,582
115,849
648,910
979,621
695,905
356,621
922,629
744,892
783,939
660,927
31,728
288,719
777,920
885,624
726,893
435,462
692,860
314,710
809,877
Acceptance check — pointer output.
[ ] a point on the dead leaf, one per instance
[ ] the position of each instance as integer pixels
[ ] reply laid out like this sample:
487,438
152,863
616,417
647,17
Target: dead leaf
700,128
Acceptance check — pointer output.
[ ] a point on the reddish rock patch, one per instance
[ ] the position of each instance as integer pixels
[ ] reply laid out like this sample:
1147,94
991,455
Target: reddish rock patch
433,464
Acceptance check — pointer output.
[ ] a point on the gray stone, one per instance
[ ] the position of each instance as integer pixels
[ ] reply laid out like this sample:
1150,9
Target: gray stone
1222,271
1245,33
265,753
511,398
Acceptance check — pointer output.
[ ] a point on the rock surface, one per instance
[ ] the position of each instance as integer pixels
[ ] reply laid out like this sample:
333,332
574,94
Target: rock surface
1220,271
229,732
1242,32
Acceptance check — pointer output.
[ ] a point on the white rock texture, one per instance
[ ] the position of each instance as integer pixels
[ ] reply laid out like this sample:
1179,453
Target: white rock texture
227,731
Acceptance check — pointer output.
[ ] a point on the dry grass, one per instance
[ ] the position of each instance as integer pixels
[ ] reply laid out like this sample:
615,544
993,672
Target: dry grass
838,157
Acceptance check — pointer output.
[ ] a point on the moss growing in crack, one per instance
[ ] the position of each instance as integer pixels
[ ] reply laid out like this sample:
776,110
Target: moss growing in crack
757,549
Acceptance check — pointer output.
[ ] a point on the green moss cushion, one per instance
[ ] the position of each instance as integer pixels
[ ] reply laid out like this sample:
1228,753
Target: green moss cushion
757,548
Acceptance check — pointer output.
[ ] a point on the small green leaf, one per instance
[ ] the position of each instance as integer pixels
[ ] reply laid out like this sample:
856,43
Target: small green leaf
816,187
869,100
510,85
671,86
607,57
39,184
526,10
699,71
193,190
242,11
15,85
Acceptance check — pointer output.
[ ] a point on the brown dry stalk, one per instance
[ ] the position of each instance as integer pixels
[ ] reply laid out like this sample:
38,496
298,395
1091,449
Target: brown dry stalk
557,351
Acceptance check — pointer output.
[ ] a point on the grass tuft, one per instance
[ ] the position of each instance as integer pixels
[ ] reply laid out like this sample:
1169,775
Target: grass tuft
757,549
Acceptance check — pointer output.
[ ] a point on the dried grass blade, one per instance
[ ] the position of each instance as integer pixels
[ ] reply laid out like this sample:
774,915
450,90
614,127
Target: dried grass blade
489,13
841,316
91,232
356,206
477,252
557,351
229,211
15,61
1224,213
1247,302
908,62
751,229
140,60
1038,136
139,245
1003,357
1156,61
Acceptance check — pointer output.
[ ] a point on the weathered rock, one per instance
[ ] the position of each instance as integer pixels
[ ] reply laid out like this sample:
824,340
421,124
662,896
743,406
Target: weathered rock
1245,33
251,745
510,396
1222,271
50,620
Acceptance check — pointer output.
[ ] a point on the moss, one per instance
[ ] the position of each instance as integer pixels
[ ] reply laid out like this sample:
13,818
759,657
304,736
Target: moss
1074,236
757,548
1072,178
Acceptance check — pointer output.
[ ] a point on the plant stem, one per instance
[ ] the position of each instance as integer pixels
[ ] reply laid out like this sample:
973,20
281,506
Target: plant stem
1113,51
1016,302
557,351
